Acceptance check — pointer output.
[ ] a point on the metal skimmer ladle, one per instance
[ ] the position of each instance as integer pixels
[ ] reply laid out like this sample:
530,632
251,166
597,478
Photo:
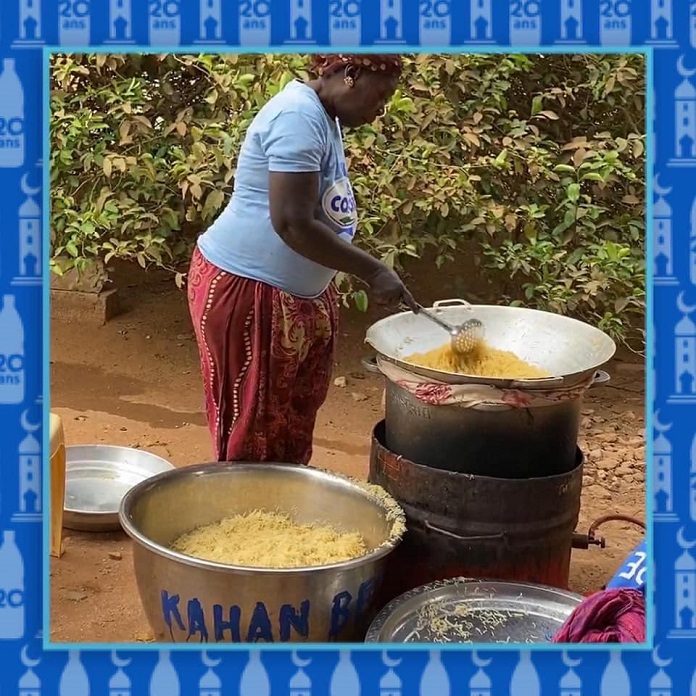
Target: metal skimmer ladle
463,337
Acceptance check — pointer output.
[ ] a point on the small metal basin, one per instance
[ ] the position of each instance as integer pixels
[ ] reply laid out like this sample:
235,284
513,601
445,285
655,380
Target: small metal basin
97,477
466,610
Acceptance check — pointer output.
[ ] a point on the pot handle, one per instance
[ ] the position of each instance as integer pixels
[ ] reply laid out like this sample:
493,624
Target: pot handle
439,530
452,303
601,377
543,381
370,365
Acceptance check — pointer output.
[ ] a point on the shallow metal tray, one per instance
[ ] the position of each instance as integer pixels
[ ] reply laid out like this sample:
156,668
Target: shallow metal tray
96,479
463,610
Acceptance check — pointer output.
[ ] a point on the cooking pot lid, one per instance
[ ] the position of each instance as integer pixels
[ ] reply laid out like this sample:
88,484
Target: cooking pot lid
464,610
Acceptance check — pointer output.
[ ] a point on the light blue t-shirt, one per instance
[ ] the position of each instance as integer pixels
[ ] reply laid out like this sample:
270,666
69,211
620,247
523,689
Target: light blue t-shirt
291,133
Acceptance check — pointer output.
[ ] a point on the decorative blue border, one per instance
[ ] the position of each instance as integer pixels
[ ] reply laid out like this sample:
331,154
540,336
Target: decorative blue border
666,29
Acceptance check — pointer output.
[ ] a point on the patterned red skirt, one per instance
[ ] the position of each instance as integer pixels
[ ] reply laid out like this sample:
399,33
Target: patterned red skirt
266,358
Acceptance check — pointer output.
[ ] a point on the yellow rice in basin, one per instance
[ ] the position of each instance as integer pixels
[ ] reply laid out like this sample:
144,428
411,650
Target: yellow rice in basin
261,539
482,361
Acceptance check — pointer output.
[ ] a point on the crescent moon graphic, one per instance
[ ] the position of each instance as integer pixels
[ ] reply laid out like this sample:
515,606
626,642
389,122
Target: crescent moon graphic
658,189
25,659
29,190
478,661
299,662
682,70
568,662
658,662
26,425
209,661
683,543
682,306
660,427
388,662
117,661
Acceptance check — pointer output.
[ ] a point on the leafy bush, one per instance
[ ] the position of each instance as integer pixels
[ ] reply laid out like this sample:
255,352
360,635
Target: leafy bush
540,159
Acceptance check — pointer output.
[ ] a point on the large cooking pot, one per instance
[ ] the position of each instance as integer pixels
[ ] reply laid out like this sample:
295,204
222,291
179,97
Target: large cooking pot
501,439
190,600
478,526
570,350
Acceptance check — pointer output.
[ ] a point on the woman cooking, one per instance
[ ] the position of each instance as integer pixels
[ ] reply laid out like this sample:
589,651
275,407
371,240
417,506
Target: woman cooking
260,287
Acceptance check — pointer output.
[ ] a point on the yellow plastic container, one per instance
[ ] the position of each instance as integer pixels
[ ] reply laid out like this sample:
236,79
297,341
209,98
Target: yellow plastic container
57,483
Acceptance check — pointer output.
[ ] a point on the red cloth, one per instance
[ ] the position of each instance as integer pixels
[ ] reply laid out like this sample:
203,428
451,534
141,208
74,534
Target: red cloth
611,616
266,358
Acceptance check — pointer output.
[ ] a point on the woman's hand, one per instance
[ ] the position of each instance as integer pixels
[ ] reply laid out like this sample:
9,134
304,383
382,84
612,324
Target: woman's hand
388,289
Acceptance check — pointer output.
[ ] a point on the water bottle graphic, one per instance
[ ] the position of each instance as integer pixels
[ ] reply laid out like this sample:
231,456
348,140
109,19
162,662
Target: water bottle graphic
615,679
74,680
255,681
11,589
525,679
164,679
11,353
345,680
11,116
435,679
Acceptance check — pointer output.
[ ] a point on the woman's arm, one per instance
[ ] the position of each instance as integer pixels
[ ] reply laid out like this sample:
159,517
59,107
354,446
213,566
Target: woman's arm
294,197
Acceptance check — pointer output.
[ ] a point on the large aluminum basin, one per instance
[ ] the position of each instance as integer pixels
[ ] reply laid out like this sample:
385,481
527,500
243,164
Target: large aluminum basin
191,600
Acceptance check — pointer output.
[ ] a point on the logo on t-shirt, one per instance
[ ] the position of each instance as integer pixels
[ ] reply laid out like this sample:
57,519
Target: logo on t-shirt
632,572
338,204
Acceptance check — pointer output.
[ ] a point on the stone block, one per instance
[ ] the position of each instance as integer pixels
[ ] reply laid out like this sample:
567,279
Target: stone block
73,306
94,279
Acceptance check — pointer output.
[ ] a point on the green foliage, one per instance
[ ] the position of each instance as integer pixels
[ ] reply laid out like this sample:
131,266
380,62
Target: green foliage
540,159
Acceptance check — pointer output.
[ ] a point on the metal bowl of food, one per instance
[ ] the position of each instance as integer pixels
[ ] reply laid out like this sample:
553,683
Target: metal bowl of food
186,598
569,350
96,479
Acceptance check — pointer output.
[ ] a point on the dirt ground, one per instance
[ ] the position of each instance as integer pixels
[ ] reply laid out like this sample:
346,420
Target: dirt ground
135,382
